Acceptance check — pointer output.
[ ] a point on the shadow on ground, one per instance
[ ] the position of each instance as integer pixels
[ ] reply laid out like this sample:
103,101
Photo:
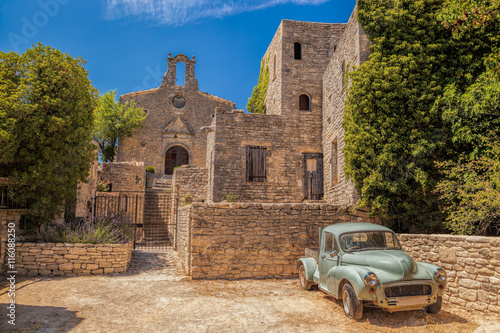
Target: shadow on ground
55,319
415,318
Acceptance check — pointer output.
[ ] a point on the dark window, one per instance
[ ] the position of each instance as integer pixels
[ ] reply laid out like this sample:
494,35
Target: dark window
343,76
304,103
334,163
297,49
256,164
178,102
328,243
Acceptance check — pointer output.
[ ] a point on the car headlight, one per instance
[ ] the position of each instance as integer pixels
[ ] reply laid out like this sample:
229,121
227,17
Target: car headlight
371,279
440,275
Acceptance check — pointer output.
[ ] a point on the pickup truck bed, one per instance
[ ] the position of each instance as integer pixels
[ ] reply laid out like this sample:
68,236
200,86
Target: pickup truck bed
312,252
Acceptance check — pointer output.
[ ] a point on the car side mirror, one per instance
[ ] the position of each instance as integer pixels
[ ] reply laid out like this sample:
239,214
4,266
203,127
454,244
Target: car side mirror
333,254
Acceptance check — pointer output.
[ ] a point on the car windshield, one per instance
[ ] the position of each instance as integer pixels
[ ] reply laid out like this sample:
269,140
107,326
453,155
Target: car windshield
369,240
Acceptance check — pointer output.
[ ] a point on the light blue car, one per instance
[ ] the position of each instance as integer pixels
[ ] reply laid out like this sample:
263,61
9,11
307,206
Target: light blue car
364,265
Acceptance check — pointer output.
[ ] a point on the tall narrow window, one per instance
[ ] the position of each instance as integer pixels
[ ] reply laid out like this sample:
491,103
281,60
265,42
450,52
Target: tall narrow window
334,163
297,49
256,164
304,103
343,76
274,67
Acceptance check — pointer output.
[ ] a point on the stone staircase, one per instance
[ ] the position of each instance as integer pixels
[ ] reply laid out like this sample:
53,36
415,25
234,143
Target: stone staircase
163,183
156,218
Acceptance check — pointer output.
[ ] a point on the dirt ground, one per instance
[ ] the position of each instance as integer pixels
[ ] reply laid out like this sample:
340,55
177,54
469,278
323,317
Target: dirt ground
152,299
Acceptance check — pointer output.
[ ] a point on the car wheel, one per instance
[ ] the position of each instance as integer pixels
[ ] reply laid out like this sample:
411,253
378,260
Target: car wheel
435,307
304,284
353,307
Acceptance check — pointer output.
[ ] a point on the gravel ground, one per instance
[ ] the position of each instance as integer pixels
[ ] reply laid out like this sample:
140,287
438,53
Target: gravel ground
154,297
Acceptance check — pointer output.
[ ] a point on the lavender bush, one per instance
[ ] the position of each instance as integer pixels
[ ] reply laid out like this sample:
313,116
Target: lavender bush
107,229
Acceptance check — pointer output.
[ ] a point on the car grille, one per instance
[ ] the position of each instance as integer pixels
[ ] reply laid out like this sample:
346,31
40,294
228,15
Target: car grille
408,290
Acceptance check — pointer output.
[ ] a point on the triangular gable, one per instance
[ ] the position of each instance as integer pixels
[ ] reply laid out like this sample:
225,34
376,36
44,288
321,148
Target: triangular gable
178,126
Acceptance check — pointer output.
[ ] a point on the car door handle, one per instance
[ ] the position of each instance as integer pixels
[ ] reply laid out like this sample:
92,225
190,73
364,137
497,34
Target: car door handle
323,258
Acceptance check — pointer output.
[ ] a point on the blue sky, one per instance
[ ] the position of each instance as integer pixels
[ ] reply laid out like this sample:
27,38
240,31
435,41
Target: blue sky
126,42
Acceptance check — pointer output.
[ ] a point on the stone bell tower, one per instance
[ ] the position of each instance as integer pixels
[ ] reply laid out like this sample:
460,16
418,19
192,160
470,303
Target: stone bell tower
190,79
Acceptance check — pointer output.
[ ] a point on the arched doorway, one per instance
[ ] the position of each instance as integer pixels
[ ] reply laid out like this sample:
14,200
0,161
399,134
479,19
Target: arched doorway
175,156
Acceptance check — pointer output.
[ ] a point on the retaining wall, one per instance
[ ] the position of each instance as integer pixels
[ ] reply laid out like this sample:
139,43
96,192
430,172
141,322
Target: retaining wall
245,240
471,262
71,259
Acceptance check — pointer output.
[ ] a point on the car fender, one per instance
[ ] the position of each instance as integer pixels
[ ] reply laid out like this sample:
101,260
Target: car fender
310,266
354,275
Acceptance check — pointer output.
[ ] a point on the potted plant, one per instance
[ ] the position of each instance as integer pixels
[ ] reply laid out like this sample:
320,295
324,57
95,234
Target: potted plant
150,176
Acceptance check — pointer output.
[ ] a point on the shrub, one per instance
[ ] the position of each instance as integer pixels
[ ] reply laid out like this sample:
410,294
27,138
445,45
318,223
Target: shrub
150,169
176,168
107,229
187,200
103,185
231,197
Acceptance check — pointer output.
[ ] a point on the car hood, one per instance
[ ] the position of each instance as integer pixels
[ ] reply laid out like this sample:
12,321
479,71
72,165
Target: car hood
388,265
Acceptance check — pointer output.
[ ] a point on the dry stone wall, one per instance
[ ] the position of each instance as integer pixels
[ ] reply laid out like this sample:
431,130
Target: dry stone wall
352,50
244,240
64,259
472,265
124,176
190,180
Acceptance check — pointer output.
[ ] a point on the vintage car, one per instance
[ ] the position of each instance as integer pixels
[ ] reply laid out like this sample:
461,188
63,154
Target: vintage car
364,265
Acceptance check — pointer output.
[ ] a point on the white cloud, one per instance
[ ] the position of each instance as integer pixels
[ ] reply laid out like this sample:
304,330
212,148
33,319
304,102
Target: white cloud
179,12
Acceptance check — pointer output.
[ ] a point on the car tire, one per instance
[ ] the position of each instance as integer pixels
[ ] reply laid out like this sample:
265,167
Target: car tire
353,307
304,284
435,307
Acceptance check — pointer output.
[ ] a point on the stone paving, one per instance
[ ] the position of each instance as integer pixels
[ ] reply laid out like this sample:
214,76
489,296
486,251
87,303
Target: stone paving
158,265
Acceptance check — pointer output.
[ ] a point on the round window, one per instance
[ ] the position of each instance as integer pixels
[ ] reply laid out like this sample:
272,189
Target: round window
178,102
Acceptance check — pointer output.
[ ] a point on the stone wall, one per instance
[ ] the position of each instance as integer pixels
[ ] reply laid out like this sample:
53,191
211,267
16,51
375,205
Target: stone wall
244,240
285,140
183,237
66,259
8,216
352,50
167,126
191,180
124,176
472,265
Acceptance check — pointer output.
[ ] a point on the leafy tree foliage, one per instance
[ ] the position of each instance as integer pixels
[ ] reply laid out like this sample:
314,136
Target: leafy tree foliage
393,135
114,120
471,188
257,102
46,113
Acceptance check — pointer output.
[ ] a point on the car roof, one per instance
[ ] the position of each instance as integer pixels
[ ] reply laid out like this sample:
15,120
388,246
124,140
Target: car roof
342,227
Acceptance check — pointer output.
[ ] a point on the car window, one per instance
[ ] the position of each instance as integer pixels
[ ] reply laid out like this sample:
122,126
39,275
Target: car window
368,240
328,246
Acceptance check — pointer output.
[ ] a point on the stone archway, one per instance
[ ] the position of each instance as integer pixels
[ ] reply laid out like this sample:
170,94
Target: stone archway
175,156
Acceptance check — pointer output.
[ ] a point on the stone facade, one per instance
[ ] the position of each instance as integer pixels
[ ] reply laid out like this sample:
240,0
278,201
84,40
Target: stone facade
471,262
245,240
352,50
168,125
124,176
64,259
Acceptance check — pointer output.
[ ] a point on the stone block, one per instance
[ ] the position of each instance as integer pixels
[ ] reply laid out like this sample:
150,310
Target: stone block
66,266
109,270
448,255
78,251
467,294
91,266
98,271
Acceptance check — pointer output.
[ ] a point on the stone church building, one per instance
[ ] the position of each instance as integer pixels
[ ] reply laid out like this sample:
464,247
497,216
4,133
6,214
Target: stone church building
290,154
171,135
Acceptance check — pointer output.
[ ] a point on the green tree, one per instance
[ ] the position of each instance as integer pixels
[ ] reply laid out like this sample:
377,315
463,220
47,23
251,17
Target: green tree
470,189
257,102
46,114
115,120
393,134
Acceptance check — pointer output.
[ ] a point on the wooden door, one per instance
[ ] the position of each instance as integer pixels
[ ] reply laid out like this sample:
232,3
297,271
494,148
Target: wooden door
175,156
312,176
